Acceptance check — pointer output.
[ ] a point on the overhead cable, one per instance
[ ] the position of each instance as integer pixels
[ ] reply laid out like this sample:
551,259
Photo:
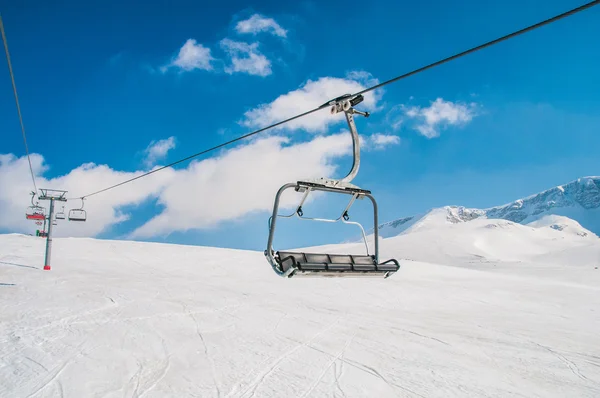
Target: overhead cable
12,77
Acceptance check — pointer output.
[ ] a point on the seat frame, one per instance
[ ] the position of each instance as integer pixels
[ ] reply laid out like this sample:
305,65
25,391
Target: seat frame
286,265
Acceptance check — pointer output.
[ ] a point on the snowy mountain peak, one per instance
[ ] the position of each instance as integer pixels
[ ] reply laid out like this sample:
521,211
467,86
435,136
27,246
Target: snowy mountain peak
578,200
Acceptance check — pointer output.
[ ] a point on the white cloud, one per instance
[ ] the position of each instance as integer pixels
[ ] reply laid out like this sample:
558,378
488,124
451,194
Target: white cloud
241,181
245,58
311,95
365,78
258,23
192,55
157,150
238,182
440,114
381,141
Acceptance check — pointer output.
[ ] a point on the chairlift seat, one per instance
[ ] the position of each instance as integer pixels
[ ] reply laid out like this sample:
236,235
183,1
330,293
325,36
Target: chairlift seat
334,264
35,216
77,215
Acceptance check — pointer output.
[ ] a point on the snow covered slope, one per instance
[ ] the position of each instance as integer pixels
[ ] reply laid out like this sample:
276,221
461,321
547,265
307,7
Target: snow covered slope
578,200
118,318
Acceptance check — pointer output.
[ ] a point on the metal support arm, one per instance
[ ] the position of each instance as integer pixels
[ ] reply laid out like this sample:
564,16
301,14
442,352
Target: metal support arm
355,148
346,104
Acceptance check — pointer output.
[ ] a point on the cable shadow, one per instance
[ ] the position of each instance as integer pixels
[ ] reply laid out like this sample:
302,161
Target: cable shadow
18,265
7,284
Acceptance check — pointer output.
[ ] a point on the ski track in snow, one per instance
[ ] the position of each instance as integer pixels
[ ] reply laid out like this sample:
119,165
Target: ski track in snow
333,361
253,386
130,319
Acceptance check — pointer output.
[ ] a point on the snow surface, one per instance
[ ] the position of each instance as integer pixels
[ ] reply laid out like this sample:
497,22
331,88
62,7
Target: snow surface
488,308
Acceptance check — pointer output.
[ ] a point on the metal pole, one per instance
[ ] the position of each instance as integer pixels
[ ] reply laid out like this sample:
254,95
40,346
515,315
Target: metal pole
355,148
49,237
376,226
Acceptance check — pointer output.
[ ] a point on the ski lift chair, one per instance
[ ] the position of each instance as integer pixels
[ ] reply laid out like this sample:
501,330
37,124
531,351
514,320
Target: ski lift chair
78,214
35,212
61,214
291,263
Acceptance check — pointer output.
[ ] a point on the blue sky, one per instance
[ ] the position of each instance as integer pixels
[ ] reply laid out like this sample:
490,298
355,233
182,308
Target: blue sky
92,90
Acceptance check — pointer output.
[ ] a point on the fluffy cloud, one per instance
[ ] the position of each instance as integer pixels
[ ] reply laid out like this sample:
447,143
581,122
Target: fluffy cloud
238,182
379,141
429,121
192,55
258,23
241,181
245,58
157,150
312,94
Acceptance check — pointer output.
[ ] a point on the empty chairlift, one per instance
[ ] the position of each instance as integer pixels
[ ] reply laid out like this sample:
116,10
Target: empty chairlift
60,215
78,214
291,263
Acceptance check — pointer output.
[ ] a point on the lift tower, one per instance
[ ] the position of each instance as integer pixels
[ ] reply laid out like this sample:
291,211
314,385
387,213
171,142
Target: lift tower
51,195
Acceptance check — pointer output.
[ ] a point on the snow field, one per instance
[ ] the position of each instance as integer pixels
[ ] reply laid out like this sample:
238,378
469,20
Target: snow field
117,318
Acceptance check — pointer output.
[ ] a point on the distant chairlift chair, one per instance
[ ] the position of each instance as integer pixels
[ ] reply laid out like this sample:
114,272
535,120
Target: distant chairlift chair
61,214
288,263
35,212
78,214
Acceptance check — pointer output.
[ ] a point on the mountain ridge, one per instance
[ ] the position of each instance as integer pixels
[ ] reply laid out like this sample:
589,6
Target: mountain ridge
578,200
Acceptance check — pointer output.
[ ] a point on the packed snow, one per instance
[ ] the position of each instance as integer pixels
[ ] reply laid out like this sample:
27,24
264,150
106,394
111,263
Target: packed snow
488,308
